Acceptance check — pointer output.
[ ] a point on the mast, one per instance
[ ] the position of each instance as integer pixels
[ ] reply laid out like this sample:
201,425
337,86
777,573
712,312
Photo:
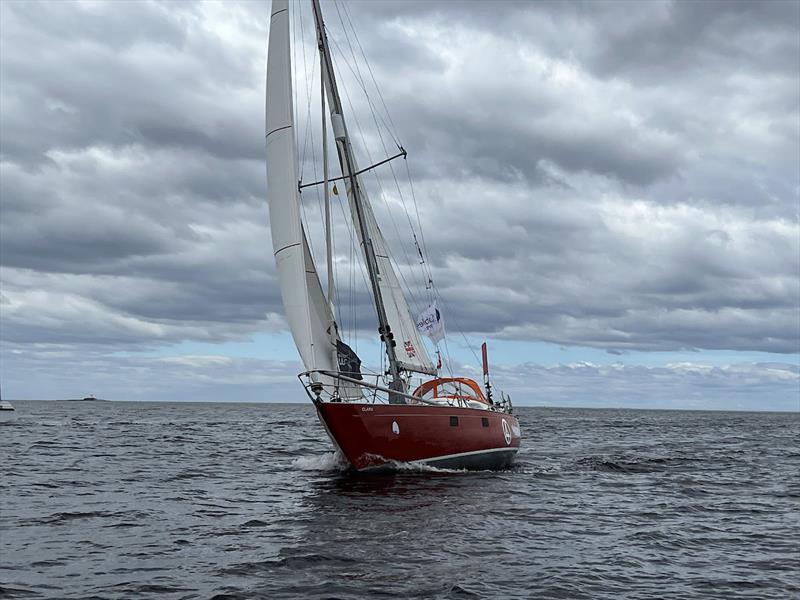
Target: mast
328,225
348,165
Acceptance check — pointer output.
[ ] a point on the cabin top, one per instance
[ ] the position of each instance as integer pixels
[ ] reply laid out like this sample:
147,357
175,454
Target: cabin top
455,388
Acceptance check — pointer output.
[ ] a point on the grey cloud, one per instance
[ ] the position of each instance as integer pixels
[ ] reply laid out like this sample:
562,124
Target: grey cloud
660,39
510,116
667,278
620,176
686,36
117,26
90,86
491,145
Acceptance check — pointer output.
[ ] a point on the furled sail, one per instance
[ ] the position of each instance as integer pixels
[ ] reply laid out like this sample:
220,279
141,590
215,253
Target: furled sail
411,352
407,351
307,311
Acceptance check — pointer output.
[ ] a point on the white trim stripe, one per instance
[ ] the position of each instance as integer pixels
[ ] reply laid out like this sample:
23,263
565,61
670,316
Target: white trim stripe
472,453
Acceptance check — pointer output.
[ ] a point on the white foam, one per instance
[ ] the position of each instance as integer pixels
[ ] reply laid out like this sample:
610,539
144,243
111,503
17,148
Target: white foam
419,467
334,461
330,461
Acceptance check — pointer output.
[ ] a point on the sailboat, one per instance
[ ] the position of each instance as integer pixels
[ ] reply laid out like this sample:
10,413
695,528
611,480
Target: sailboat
382,419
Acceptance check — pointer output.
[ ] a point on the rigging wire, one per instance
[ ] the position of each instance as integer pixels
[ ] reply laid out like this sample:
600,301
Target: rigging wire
310,94
295,99
309,137
369,157
382,194
378,129
395,138
431,288
360,79
307,83
429,273
390,258
392,130
309,127
308,132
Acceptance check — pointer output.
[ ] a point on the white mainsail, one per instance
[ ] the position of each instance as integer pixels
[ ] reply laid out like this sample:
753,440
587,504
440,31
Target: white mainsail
306,308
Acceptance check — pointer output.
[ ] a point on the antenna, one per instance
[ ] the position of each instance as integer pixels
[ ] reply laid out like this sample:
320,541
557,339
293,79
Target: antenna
486,384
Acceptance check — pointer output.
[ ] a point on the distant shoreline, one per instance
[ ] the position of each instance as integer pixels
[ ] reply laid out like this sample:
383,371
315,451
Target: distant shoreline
79,400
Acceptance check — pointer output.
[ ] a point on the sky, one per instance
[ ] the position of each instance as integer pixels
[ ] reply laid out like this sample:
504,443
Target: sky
609,194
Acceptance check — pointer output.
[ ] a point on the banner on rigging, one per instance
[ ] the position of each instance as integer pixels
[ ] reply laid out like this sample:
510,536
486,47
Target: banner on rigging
430,323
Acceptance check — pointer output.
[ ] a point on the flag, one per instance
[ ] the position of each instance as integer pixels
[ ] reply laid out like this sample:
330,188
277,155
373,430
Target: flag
349,363
430,323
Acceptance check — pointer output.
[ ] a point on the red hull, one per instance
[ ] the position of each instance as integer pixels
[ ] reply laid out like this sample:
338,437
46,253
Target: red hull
372,435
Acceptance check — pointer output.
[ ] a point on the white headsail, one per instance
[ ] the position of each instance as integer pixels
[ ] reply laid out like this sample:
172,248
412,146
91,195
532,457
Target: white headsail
411,352
306,308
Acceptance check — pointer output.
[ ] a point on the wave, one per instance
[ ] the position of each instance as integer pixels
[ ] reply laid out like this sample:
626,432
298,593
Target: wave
255,523
335,462
627,464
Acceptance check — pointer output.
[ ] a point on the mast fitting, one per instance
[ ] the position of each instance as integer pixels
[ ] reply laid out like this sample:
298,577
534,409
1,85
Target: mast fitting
302,185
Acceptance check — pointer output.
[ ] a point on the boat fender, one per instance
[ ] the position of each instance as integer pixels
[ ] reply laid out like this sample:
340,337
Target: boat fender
395,428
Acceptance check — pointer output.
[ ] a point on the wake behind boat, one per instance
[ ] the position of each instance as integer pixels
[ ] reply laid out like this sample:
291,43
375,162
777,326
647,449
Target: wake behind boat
405,411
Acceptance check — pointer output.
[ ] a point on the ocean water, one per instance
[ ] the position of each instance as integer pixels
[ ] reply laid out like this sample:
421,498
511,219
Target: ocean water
158,500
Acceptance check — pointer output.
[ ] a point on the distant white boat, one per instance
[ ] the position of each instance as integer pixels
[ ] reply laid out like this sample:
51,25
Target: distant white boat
4,405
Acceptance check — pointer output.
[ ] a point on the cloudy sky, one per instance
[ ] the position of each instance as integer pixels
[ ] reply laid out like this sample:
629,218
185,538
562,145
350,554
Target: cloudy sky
609,193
